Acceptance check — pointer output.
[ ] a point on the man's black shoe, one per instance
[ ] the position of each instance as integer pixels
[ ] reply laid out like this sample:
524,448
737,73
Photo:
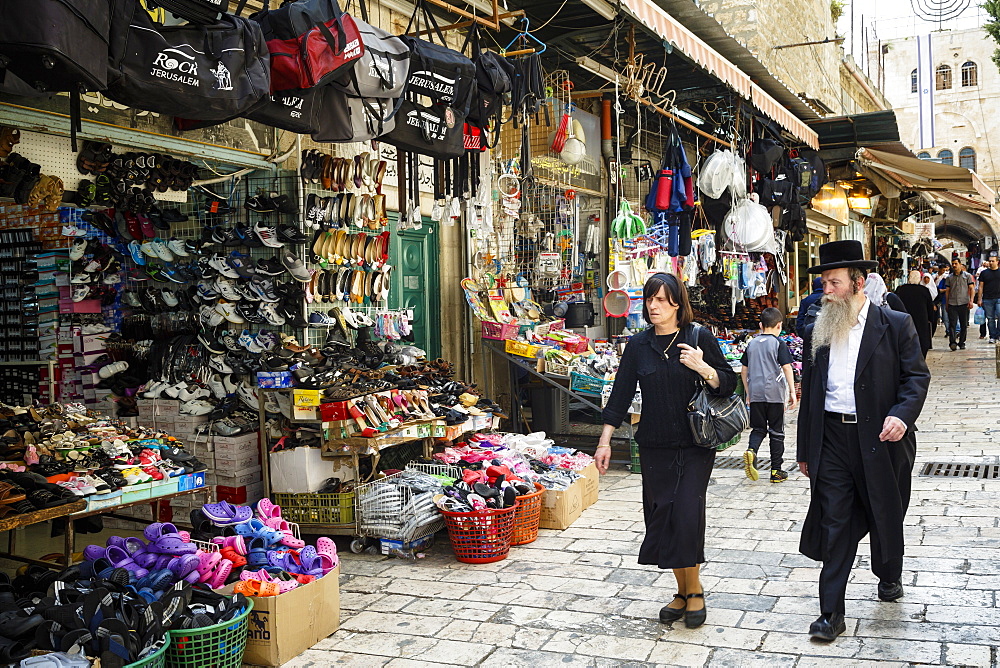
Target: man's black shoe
961,346
827,627
953,346
890,591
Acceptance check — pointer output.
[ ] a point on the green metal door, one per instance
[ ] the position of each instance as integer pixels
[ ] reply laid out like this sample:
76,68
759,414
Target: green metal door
416,283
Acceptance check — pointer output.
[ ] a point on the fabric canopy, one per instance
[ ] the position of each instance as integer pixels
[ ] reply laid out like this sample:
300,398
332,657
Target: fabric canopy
917,174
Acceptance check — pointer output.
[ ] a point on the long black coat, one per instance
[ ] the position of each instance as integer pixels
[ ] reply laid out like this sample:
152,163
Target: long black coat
917,300
891,379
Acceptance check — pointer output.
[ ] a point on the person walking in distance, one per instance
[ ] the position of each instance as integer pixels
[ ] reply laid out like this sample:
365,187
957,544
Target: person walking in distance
864,382
989,296
669,361
958,297
770,385
918,303
942,283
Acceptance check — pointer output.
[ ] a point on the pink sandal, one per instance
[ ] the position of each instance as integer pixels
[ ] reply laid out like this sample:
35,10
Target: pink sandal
267,510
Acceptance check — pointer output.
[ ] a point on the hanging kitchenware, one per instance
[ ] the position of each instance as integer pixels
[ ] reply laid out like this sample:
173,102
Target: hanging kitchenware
616,304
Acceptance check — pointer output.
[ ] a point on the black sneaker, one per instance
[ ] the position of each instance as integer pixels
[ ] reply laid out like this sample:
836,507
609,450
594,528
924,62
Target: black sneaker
270,267
778,475
750,465
291,234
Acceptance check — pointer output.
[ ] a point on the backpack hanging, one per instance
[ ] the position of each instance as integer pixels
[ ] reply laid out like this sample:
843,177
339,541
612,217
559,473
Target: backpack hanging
214,72
442,74
494,83
435,131
309,41
382,70
196,11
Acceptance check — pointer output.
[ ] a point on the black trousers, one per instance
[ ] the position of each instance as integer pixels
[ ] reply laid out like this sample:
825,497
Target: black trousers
768,419
959,314
847,515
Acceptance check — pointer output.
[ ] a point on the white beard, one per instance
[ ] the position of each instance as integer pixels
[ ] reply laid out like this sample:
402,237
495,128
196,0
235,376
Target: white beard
834,322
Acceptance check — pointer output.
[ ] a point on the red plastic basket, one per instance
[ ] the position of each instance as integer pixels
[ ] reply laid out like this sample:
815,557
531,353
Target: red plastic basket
498,331
529,511
480,537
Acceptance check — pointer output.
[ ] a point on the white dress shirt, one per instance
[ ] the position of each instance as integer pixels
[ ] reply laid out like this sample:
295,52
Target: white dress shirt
843,365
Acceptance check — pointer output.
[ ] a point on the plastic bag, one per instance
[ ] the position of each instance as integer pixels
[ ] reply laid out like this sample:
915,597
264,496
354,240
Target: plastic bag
979,317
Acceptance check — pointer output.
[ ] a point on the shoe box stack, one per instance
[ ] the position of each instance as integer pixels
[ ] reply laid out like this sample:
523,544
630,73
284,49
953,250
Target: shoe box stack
237,471
19,336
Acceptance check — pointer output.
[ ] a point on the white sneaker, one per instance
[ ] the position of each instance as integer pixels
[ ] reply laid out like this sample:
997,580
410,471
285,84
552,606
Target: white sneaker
73,231
154,389
77,250
271,406
248,395
227,288
250,343
217,386
230,313
82,279
230,384
219,263
211,317
169,297
218,363
147,249
178,247
268,235
196,407
271,315
95,329
161,250
80,292
284,400
109,370
174,391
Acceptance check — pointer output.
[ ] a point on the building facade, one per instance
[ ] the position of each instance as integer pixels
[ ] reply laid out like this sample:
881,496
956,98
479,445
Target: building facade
966,92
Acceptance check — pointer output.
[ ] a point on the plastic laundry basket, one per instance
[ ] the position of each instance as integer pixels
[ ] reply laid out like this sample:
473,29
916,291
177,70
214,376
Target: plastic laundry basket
217,646
157,659
529,511
482,536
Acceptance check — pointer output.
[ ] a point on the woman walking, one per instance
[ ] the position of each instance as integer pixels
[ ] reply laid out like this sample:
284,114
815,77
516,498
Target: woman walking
918,303
669,363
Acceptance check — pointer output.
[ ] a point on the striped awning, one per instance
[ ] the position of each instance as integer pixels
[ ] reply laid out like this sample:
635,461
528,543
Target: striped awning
685,41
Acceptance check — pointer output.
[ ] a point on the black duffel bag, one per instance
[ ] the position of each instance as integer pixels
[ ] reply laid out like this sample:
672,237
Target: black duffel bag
442,74
291,110
202,72
56,45
342,118
436,131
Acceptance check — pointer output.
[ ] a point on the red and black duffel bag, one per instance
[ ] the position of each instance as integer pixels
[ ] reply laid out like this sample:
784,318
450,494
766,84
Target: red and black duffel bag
309,41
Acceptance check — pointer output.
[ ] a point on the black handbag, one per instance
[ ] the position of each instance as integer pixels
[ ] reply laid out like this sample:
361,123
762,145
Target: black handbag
292,110
211,73
435,131
715,420
442,74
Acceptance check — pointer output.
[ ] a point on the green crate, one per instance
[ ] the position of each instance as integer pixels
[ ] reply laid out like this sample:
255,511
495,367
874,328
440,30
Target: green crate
157,659
316,508
634,448
217,646
585,384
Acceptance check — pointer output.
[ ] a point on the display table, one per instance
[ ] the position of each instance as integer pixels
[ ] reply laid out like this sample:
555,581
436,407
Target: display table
12,522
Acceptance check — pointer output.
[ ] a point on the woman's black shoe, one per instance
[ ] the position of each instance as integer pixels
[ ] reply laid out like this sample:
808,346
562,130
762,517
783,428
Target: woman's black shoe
668,614
695,618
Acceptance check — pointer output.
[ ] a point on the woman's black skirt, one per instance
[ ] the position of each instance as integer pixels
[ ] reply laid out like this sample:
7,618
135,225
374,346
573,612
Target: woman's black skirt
674,486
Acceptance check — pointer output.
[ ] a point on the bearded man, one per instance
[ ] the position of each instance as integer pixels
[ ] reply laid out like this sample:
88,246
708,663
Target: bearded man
864,381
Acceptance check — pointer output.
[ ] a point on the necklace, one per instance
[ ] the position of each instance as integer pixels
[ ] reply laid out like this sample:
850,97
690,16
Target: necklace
665,355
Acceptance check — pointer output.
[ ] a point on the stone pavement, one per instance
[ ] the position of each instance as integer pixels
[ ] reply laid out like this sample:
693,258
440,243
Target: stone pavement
577,597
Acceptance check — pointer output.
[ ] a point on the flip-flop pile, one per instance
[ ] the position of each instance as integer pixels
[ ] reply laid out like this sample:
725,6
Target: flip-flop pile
73,615
262,548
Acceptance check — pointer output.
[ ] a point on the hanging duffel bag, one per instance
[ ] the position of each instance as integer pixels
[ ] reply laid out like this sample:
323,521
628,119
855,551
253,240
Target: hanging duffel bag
442,74
342,118
435,131
309,41
56,45
214,73
291,110
382,70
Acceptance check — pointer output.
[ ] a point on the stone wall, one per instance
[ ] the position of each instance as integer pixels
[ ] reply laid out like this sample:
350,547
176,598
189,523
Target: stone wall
761,26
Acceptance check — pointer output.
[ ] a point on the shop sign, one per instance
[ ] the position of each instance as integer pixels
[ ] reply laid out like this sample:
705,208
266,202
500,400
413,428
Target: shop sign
924,230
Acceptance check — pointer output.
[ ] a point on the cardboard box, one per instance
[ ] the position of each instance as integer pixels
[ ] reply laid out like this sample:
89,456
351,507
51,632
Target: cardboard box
561,508
282,627
591,485
239,478
232,447
274,379
236,462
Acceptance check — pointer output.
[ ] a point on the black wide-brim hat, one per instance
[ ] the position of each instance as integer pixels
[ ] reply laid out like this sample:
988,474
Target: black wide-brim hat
837,254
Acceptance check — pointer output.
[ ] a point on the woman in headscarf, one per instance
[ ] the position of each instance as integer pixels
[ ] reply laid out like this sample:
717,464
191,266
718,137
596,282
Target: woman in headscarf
929,281
920,306
879,295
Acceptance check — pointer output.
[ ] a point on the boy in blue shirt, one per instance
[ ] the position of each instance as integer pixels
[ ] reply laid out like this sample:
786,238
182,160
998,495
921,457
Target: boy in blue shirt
769,384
